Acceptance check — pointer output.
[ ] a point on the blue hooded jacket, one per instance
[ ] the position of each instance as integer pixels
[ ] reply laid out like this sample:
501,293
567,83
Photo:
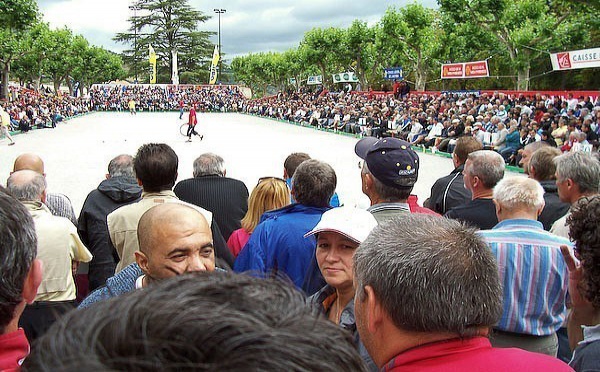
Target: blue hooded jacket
278,246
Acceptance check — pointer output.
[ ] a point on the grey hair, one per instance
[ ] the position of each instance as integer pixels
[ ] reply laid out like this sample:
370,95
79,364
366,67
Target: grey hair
121,166
209,164
488,166
18,249
582,168
386,192
314,183
514,193
441,277
26,185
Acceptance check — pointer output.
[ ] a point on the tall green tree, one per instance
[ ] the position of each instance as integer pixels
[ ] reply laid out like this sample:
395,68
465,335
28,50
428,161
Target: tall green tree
98,65
526,29
409,37
67,52
16,16
30,66
359,44
167,25
320,48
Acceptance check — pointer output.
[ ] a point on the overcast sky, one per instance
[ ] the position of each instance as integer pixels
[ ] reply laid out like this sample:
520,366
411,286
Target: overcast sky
248,26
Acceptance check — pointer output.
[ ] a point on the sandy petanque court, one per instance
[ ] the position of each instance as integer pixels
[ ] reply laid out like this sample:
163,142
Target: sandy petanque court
77,152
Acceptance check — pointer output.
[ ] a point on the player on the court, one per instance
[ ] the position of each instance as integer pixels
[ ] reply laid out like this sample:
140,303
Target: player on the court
192,121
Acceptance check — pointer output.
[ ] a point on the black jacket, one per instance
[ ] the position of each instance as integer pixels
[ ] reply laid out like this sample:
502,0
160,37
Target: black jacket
92,229
554,208
226,198
480,213
448,192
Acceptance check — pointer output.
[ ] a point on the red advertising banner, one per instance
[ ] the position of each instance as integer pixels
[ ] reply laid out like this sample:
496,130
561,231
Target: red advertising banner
453,71
476,69
465,70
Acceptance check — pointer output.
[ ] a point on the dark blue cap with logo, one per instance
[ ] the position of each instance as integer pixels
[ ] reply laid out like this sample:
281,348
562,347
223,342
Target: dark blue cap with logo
390,160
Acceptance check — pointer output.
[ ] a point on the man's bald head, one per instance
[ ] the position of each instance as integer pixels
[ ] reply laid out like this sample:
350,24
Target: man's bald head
158,220
27,185
174,239
30,162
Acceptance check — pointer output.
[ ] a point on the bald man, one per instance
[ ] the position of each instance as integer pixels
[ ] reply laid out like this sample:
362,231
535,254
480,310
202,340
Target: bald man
59,204
174,239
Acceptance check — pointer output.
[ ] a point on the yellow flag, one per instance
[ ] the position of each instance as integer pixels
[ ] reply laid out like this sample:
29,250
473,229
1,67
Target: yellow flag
152,59
213,66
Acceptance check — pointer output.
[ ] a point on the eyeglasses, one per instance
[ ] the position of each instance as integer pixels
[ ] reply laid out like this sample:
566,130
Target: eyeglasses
360,164
270,178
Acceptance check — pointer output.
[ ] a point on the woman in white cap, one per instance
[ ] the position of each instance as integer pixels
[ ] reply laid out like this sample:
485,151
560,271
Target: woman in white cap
339,233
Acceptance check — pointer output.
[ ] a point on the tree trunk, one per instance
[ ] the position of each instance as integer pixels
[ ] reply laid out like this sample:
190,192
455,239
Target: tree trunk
69,85
523,78
36,82
5,73
420,78
322,68
56,82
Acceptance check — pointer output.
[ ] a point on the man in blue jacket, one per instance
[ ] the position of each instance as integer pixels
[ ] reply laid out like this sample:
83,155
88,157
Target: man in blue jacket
277,245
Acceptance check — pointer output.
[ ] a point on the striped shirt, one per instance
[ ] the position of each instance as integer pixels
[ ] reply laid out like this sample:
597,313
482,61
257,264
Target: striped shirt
533,274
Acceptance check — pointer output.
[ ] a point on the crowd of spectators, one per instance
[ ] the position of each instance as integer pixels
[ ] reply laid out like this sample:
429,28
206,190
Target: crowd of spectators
29,109
312,287
505,123
502,122
165,97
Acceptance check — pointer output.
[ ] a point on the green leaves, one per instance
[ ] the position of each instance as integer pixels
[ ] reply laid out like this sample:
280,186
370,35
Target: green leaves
167,25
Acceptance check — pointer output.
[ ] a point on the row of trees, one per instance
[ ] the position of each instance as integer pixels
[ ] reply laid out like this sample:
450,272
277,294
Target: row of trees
514,35
30,50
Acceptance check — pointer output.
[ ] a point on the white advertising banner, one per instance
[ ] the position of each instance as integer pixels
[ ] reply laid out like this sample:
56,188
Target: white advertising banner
585,58
345,77
314,80
175,72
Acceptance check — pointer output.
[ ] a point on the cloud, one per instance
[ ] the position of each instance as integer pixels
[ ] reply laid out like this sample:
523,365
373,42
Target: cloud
247,26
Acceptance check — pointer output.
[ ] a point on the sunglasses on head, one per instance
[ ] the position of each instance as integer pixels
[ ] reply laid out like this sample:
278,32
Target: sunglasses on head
270,178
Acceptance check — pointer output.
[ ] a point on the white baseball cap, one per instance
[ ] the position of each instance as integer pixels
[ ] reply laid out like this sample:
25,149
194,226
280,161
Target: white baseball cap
355,224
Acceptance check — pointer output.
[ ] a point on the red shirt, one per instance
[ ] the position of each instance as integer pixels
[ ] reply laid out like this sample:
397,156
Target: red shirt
14,348
414,206
192,117
472,354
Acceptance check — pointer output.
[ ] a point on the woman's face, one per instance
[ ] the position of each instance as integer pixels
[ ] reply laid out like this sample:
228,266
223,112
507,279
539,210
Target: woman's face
334,256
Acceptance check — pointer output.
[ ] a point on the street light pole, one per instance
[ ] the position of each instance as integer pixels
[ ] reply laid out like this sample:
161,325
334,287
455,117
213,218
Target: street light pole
135,7
219,12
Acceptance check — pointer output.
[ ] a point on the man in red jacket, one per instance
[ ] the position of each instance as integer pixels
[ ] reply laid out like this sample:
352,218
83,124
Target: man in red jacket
389,172
192,121
21,276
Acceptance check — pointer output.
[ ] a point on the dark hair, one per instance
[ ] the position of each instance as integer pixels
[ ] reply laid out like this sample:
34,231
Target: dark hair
583,230
314,183
542,161
293,161
202,321
465,146
440,277
156,166
18,249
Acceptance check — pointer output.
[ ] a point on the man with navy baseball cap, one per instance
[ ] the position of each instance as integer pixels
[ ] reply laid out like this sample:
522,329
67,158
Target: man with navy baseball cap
389,171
